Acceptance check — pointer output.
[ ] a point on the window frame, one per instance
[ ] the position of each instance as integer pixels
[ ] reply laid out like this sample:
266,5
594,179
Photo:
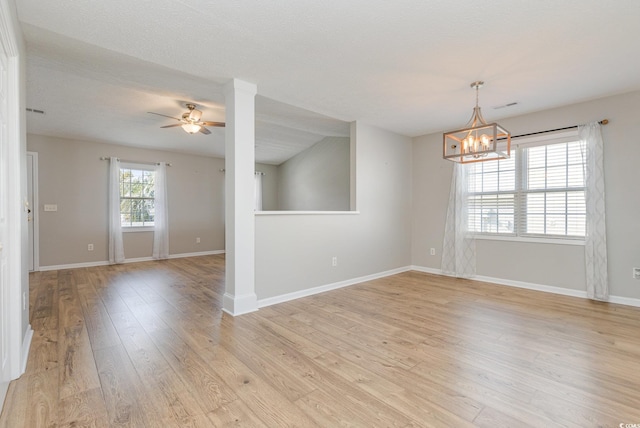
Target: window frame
136,167
520,213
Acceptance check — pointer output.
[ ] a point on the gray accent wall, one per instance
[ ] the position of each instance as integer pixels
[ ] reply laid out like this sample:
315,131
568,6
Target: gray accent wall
72,176
294,251
543,263
316,179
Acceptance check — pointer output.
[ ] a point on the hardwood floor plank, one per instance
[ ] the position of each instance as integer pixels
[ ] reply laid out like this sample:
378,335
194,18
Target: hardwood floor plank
76,366
163,387
208,389
235,414
43,355
84,409
124,398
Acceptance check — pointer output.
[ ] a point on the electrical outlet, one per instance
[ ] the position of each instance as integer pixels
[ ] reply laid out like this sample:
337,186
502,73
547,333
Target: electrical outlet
636,273
432,251
90,247
334,261
198,240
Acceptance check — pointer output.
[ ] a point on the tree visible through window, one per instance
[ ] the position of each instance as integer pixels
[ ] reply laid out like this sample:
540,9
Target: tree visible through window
137,193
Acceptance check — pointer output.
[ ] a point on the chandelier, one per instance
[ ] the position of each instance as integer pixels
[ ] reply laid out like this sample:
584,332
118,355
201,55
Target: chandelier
479,141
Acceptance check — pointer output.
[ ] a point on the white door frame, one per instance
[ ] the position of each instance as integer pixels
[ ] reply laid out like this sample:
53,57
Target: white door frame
19,334
33,206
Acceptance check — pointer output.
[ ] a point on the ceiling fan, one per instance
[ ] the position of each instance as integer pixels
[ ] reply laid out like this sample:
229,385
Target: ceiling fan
190,121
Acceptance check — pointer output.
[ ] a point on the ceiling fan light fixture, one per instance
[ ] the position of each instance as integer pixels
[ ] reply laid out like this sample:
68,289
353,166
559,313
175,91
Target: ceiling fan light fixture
194,114
191,128
478,141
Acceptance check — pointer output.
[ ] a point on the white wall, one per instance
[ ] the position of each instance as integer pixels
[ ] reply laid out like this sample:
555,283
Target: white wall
545,264
316,179
294,252
72,176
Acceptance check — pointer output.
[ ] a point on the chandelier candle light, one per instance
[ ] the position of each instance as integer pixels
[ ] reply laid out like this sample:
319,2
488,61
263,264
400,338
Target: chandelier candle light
479,141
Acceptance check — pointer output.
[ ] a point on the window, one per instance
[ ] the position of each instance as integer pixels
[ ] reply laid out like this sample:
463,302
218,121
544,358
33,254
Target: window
137,192
538,192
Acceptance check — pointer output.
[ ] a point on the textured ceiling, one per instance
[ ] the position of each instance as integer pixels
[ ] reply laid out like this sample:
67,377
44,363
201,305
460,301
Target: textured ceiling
98,67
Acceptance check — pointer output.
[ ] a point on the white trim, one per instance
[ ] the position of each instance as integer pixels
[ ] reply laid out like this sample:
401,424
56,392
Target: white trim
547,138
130,229
629,301
73,266
15,164
535,240
267,213
531,286
327,287
133,260
201,253
424,269
26,345
239,305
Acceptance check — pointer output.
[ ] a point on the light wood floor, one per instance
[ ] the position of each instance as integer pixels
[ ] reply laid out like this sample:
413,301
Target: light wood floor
146,345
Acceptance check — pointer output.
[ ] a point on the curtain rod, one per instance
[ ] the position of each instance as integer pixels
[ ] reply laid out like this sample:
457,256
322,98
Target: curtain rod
257,172
133,161
601,122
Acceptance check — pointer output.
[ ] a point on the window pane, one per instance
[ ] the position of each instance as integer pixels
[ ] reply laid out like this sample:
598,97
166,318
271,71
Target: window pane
576,225
575,176
576,153
556,177
535,203
576,202
555,224
535,224
536,179
536,157
507,181
556,203
546,207
136,197
490,182
556,154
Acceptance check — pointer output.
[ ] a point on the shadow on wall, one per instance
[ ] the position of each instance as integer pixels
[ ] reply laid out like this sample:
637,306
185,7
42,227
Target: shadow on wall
317,179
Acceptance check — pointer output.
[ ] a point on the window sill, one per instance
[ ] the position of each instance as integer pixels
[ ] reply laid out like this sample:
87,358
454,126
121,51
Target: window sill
555,241
267,213
138,229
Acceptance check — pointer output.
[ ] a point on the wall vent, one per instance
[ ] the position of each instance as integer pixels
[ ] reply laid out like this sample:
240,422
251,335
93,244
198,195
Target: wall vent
33,110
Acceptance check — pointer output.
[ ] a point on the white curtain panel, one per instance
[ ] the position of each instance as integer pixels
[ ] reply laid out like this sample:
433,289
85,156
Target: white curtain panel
116,249
258,192
596,234
459,246
161,219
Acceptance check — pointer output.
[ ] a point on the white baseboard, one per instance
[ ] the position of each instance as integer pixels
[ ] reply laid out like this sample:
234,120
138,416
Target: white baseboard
26,345
133,260
239,304
72,266
4,386
328,287
629,301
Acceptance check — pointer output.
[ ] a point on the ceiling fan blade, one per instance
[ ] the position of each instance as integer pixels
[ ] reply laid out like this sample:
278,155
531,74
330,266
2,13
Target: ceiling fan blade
171,126
204,130
164,115
220,124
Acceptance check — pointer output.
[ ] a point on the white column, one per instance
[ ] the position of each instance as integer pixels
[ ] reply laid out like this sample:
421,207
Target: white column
240,296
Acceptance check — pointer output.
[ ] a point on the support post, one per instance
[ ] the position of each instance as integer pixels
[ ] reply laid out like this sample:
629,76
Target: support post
240,297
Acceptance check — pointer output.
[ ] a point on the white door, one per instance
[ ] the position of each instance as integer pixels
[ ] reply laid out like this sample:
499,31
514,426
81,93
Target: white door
4,283
32,197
